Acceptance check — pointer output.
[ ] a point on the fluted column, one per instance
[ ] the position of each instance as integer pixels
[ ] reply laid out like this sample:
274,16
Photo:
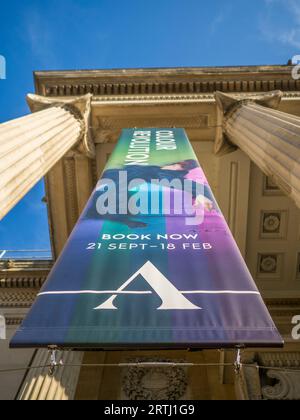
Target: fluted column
30,146
39,385
269,137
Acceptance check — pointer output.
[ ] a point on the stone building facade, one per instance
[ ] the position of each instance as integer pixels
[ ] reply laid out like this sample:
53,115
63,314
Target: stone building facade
244,125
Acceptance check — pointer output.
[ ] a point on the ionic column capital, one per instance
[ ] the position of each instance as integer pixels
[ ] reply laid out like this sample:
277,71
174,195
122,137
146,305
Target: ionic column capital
79,108
228,105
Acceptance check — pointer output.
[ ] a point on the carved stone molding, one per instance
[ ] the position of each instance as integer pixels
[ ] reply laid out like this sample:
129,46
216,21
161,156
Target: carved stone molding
122,82
20,281
13,321
270,188
18,298
180,99
109,89
161,99
190,121
279,359
10,266
285,307
287,386
282,383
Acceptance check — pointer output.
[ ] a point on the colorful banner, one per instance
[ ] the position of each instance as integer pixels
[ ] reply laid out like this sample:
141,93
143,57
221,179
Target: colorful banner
151,262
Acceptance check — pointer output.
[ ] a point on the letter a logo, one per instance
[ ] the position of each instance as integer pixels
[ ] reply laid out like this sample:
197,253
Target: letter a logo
171,297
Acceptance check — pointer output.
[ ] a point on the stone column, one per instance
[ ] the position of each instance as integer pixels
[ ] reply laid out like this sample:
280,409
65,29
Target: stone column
269,137
30,146
39,385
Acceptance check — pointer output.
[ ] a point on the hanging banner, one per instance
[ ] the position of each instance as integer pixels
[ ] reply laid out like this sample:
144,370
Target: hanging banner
151,262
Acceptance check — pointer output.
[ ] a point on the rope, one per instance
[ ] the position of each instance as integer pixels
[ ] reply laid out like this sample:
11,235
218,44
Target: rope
151,364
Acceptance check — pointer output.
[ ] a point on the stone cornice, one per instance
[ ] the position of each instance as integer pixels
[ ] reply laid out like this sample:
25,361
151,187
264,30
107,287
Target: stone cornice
12,321
174,99
177,99
23,274
29,282
17,298
24,265
210,97
165,81
283,301
20,281
283,307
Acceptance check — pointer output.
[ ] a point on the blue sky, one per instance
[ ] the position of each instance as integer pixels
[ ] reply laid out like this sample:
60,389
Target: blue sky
74,34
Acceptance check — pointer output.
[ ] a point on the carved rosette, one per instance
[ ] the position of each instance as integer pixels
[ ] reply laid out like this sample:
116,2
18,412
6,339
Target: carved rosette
154,383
